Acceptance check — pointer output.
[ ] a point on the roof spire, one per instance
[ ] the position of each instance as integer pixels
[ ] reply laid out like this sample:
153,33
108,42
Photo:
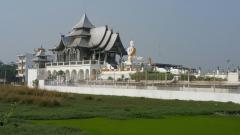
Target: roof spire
84,23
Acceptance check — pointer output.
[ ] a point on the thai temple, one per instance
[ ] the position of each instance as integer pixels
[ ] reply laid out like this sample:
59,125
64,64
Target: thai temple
93,60
89,53
87,42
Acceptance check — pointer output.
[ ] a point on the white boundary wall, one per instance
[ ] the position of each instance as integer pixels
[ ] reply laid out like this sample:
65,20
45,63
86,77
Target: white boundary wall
32,75
155,94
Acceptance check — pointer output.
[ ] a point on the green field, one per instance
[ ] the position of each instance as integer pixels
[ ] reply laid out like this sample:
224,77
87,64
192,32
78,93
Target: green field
177,125
42,112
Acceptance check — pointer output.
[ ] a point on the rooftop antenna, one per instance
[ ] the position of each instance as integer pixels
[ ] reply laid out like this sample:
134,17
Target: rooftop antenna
228,61
84,5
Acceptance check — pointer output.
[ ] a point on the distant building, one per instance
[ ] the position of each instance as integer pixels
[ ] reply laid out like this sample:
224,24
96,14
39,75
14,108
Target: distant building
41,58
24,62
2,80
28,60
233,77
171,68
220,74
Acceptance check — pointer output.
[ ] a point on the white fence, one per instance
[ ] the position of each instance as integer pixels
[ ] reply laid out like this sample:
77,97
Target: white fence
183,94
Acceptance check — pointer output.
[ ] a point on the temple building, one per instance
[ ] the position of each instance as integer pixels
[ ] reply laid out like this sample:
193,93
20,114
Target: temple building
87,42
84,51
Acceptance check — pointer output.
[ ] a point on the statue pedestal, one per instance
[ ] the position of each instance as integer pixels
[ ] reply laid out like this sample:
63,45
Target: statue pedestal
128,67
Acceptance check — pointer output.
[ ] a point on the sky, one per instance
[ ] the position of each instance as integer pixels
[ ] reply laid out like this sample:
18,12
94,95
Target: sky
196,33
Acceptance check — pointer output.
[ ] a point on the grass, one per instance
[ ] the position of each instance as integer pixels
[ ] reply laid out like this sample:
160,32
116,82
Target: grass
174,125
75,106
119,108
24,95
28,128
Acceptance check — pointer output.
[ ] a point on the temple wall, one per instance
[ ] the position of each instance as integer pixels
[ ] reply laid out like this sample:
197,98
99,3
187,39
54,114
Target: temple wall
148,93
32,75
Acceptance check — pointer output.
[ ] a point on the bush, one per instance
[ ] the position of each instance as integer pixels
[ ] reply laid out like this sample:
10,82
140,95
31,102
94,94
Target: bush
184,77
88,98
149,75
209,79
4,118
99,99
110,78
24,95
35,83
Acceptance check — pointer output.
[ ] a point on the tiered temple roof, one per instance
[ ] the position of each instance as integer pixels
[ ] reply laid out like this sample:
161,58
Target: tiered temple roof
84,23
85,34
90,41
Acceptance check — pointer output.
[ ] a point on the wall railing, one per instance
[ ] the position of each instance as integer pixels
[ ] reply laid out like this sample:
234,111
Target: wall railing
73,63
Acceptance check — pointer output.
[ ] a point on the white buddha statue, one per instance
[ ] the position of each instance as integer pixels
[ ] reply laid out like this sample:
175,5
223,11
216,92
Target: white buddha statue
131,53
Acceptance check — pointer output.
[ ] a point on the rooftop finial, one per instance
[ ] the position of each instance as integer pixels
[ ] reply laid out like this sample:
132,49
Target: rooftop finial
84,23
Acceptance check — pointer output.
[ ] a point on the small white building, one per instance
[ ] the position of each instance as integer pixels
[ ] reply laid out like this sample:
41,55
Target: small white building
161,70
217,74
174,69
220,76
24,62
233,77
28,61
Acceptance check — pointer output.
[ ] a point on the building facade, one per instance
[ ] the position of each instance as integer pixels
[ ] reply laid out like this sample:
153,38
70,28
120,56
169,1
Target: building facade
28,60
24,62
41,58
81,53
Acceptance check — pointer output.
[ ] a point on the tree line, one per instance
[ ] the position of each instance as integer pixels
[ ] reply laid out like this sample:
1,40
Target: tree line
8,72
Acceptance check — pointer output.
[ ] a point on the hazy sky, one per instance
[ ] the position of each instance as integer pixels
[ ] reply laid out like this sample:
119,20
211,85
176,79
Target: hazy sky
189,32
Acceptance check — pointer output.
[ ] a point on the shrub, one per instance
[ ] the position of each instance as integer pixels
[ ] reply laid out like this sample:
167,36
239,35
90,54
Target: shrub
88,98
4,118
35,83
149,75
110,78
99,99
127,109
26,95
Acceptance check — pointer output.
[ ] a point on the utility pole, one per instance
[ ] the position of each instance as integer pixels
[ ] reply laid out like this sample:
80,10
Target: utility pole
146,78
214,81
165,78
188,77
114,77
5,77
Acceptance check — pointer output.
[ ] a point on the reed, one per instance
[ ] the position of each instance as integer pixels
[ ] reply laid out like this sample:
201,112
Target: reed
25,95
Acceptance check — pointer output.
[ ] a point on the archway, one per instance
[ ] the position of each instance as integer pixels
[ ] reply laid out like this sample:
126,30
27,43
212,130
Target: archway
87,74
54,75
81,74
49,75
67,75
74,76
94,74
